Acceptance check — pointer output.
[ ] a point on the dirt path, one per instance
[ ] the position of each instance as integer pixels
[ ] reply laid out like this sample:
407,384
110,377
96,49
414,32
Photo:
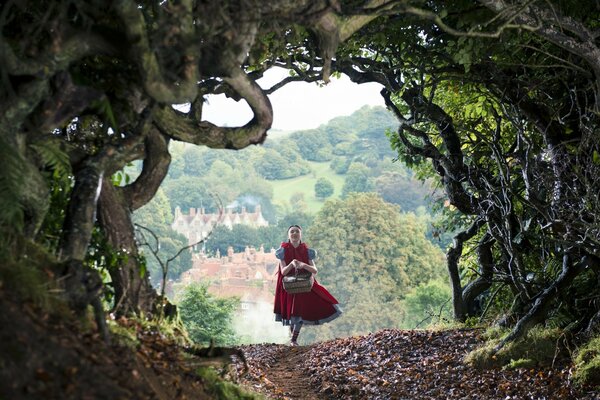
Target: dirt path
279,371
289,374
394,364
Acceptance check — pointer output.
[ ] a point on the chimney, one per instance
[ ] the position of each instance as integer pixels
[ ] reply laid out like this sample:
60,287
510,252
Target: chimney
243,210
201,210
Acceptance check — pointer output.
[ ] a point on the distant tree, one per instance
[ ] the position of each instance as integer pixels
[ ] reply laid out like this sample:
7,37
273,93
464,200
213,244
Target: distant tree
370,256
399,187
358,179
157,212
340,165
197,161
338,134
287,157
189,192
343,149
241,236
176,169
323,188
156,216
427,303
298,201
207,317
238,237
313,145
269,237
275,166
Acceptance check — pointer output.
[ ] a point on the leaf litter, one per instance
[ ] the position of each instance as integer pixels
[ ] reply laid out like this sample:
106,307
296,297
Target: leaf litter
397,364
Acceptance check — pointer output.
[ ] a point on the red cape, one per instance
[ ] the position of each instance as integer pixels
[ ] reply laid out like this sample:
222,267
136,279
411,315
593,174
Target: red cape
314,307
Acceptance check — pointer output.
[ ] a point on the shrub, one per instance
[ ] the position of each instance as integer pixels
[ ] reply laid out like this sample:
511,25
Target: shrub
587,364
540,347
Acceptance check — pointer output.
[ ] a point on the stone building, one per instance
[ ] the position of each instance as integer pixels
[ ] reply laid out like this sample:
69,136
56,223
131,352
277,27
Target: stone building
249,275
197,224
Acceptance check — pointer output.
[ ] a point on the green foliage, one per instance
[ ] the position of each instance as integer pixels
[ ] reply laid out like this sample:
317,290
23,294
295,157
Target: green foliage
369,256
400,187
358,180
427,304
284,189
55,166
280,161
206,317
526,363
540,347
189,192
323,188
238,237
30,276
28,282
104,258
587,363
312,145
277,170
11,188
60,182
340,165
298,202
221,389
125,336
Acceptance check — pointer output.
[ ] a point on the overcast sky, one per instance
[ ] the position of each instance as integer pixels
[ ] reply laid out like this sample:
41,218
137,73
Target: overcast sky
298,105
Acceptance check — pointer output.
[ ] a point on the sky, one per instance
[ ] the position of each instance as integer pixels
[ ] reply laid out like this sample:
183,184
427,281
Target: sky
297,105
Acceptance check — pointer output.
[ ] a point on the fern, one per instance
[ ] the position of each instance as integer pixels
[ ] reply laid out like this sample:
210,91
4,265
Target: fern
53,157
11,187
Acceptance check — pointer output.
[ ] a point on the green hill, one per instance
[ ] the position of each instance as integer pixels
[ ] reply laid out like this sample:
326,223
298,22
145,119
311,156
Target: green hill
283,189
349,150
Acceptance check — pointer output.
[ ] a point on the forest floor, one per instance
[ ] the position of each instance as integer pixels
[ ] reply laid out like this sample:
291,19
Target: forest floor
48,356
397,364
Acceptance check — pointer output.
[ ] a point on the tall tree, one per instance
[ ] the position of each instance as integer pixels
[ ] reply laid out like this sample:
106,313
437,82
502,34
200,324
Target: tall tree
369,257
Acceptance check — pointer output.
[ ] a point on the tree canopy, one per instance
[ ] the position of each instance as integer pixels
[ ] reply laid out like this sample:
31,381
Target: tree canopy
370,256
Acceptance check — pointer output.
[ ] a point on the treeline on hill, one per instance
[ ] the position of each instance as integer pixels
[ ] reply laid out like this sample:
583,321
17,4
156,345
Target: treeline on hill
355,149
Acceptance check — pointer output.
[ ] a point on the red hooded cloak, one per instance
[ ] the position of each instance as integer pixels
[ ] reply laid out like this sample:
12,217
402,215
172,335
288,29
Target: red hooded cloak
315,307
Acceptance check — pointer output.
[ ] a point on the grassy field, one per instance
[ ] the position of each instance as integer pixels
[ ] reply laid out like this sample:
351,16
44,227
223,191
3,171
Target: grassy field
283,189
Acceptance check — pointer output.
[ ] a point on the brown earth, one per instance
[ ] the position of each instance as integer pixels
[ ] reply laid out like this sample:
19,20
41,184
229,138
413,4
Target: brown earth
44,356
48,357
396,364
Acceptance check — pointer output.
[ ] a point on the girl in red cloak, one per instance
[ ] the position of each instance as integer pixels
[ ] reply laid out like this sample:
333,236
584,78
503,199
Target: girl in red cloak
313,308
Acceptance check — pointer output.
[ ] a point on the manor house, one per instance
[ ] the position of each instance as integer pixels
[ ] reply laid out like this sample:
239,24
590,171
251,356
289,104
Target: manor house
196,225
249,275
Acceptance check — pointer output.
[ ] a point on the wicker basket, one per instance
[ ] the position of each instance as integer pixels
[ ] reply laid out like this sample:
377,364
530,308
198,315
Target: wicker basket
300,282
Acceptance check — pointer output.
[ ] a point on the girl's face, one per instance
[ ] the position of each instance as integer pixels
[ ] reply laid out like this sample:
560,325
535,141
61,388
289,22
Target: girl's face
295,234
